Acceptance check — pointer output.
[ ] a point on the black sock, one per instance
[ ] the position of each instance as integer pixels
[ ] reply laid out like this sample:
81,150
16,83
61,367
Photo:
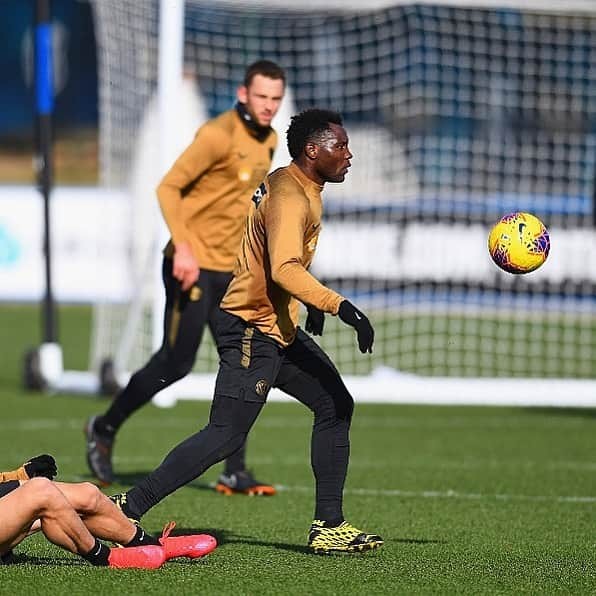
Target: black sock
104,428
333,523
330,453
98,555
141,538
236,462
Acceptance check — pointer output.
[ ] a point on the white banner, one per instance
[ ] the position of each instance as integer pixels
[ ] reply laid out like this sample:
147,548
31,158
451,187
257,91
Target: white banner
90,242
441,252
92,247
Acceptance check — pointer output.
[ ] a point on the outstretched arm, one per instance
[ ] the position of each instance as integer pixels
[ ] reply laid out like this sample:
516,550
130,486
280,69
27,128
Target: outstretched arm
286,222
285,239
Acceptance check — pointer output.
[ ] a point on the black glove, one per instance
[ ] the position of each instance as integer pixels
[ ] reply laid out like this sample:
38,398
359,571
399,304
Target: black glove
42,465
350,315
315,321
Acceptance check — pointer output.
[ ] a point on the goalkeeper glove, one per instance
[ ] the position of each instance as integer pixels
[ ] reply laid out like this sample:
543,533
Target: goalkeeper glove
41,465
350,315
315,321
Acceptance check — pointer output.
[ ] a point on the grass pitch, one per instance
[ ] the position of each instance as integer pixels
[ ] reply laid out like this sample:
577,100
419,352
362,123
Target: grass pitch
469,500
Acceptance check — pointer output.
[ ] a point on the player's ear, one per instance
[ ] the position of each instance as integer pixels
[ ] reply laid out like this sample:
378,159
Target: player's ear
242,94
311,150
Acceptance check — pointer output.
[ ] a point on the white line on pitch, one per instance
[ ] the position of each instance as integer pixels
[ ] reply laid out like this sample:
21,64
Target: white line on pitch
449,494
489,422
424,494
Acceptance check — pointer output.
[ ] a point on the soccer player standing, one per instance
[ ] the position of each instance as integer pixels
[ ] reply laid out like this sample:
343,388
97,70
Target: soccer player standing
204,199
261,346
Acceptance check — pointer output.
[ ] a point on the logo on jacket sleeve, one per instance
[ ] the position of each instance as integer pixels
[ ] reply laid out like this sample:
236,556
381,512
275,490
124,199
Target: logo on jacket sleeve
259,194
244,173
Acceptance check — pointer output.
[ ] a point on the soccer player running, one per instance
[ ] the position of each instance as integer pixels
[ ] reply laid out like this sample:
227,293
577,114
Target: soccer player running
74,516
261,346
204,199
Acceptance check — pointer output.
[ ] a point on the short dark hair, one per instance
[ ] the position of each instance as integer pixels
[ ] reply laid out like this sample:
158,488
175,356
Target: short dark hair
266,68
307,127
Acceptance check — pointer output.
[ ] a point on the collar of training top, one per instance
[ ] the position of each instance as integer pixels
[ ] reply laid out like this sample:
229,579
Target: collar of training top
259,132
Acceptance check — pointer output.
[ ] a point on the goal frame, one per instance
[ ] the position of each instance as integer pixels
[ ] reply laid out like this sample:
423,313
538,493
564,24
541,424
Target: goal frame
381,386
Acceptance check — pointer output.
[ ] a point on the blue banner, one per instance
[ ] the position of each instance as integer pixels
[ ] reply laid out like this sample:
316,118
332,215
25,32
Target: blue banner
43,70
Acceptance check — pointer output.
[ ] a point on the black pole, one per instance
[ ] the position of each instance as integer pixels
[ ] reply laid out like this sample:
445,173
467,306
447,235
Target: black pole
44,102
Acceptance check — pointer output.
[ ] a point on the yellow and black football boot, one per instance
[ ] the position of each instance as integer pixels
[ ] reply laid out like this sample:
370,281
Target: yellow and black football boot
344,538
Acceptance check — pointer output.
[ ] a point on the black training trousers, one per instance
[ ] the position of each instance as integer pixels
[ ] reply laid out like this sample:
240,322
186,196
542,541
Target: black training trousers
186,315
250,364
8,487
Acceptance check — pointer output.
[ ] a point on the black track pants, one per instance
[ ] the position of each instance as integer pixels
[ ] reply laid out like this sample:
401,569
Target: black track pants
251,363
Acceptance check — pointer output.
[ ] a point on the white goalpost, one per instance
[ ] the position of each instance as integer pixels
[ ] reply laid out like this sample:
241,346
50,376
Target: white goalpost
458,112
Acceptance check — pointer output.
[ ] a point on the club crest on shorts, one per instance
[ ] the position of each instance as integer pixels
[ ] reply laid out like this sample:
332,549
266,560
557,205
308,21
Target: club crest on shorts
195,294
261,387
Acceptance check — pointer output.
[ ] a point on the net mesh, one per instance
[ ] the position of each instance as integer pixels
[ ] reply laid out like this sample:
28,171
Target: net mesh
456,116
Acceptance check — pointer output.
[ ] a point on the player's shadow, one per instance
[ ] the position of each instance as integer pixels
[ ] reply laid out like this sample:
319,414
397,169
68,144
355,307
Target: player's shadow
198,485
126,478
225,537
132,478
417,541
21,558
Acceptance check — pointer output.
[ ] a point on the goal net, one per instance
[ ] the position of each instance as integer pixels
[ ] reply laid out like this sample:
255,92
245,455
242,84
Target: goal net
456,115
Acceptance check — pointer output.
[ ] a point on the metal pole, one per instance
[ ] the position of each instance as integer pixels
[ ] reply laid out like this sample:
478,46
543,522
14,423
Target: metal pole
170,60
44,103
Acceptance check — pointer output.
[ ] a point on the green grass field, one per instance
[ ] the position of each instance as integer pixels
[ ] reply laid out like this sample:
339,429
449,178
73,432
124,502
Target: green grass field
469,500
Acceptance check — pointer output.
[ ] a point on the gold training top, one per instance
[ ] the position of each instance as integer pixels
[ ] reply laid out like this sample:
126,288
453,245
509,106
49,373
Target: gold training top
205,196
18,474
277,248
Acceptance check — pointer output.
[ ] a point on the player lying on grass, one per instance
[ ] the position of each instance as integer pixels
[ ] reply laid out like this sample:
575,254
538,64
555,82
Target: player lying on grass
261,346
75,516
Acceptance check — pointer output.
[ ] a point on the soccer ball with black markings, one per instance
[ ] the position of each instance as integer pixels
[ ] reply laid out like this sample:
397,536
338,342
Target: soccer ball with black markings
519,243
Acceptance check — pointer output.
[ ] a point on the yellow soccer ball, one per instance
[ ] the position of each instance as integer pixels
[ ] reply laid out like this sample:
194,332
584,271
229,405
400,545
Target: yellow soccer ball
519,243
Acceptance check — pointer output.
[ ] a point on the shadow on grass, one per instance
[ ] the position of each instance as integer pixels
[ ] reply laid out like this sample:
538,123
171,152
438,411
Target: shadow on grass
570,412
417,541
589,413
23,559
132,478
225,537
